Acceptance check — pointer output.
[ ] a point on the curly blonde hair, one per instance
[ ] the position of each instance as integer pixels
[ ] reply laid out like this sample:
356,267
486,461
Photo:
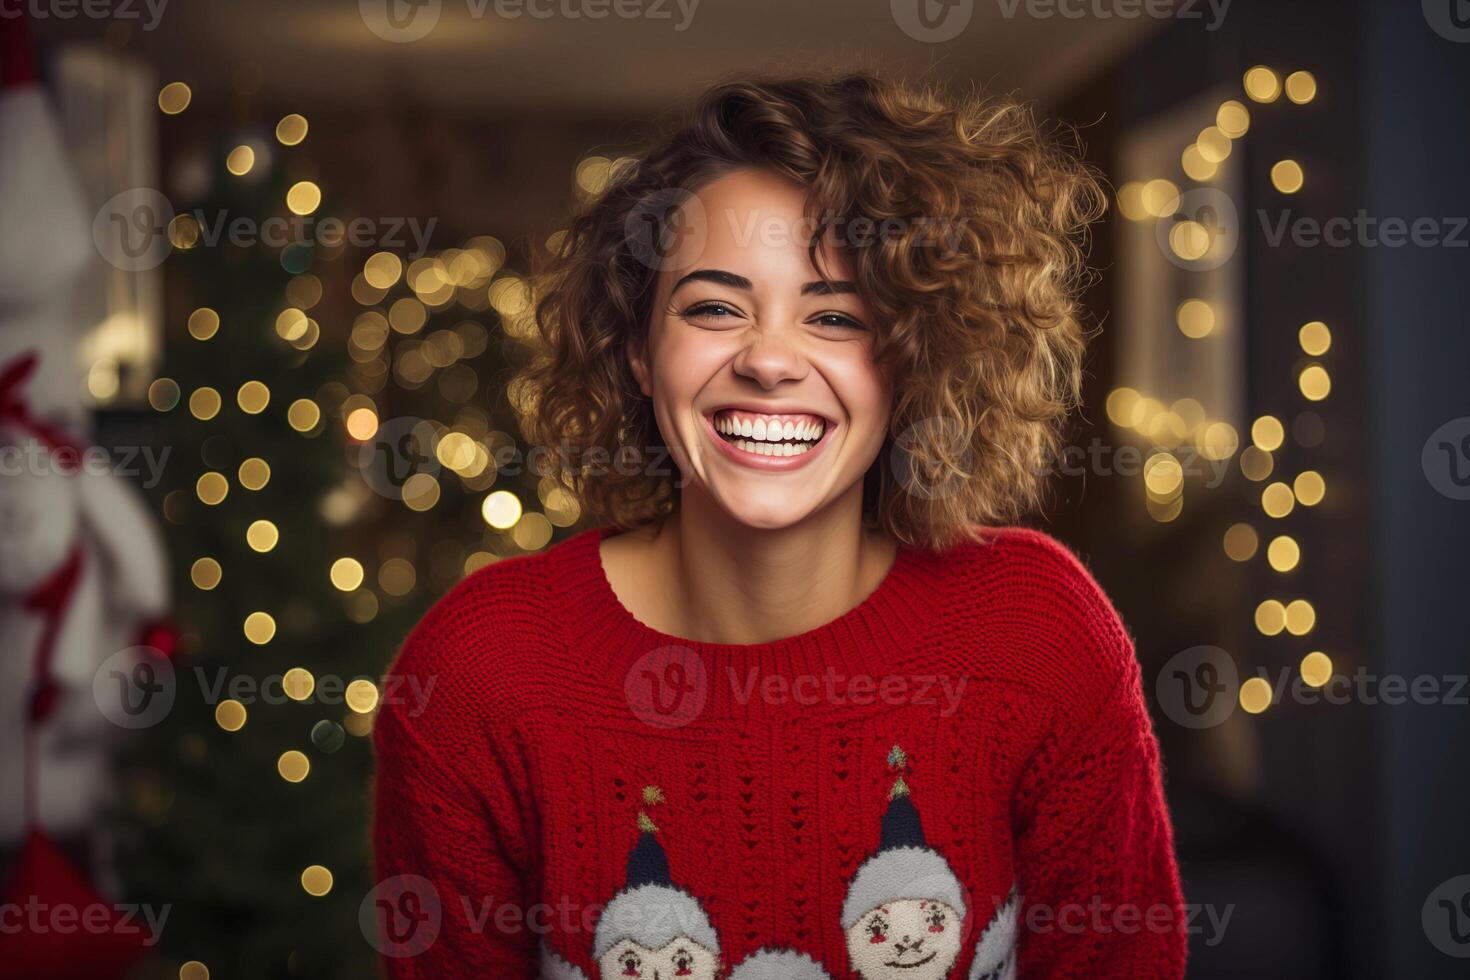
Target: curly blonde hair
983,337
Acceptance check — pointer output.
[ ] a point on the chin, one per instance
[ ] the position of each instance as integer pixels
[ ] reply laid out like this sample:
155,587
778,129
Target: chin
765,515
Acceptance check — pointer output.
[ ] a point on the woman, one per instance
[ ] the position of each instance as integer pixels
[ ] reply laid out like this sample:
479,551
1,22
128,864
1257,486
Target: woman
803,705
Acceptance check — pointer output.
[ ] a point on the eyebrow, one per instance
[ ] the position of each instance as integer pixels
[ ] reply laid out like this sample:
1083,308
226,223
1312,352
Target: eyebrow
740,282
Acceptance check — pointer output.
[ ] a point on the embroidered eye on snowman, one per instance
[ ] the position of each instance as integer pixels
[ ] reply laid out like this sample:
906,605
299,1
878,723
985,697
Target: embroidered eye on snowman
652,928
905,906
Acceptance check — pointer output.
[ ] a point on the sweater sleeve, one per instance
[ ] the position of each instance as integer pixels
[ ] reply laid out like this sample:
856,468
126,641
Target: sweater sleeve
448,831
1099,887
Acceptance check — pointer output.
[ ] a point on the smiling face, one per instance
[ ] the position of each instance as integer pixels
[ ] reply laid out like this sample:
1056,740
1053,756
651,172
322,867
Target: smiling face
683,957
905,940
761,375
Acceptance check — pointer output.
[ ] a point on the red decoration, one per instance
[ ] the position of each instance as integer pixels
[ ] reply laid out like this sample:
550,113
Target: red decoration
68,931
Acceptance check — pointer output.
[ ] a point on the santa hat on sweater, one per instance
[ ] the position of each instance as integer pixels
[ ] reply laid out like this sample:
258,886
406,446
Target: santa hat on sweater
779,964
651,910
904,867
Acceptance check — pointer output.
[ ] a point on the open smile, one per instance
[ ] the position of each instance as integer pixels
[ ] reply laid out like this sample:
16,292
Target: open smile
766,440
910,966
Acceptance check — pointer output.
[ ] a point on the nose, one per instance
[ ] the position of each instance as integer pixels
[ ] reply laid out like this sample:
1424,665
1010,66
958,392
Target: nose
769,358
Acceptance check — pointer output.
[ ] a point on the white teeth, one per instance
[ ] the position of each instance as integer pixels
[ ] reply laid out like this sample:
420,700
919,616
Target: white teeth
772,448
769,431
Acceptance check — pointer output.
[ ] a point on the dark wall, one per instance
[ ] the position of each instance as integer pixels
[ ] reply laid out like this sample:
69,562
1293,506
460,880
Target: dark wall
1415,146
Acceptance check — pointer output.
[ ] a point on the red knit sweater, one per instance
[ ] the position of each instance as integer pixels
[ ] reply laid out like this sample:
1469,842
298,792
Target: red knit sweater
955,779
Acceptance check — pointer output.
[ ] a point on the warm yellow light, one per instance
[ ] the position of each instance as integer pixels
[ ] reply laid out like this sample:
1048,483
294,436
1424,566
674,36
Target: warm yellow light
1196,318
501,509
1309,488
1268,433
1256,463
230,715
397,577
421,492
362,424
362,695
1262,84
174,98
293,766
304,197
532,532
316,880
407,315
253,397
1195,166
240,160
205,573
1219,441
1314,382
193,970
1316,668
1190,240
1125,407
1233,118
1163,476
303,415
163,394
347,574
212,488
1214,145
382,270
1300,617
291,130
298,683
1240,542
203,323
292,324
204,404
1270,617
592,174
1287,176
1301,87
262,535
1255,695
1283,553
260,628
1277,500
1315,338
1130,201
255,473
1160,197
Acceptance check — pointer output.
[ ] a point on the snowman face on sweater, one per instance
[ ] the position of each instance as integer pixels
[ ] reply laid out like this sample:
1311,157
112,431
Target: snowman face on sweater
682,957
911,939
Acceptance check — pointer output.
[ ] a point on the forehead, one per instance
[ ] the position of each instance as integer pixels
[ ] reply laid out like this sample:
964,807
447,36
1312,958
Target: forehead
754,223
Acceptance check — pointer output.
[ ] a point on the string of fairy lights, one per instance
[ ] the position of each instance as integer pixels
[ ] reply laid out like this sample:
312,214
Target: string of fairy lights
394,340
1186,422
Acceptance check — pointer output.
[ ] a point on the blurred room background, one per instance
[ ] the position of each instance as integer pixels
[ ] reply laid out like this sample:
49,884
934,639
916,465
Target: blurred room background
271,258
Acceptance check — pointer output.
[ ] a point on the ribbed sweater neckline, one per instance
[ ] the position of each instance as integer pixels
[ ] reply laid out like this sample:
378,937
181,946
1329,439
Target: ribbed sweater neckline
862,641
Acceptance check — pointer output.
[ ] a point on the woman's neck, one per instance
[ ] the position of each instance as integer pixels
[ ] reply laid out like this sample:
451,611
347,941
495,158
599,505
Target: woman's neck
706,577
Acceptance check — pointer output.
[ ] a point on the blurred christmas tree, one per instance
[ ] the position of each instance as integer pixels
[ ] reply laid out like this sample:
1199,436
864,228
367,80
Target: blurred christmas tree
317,504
